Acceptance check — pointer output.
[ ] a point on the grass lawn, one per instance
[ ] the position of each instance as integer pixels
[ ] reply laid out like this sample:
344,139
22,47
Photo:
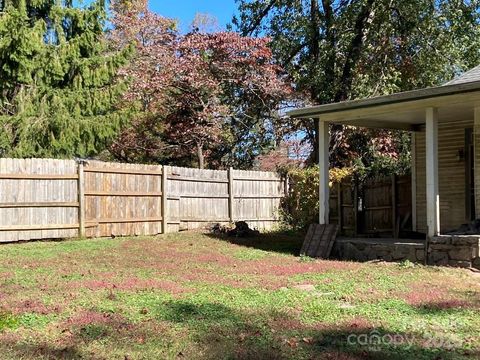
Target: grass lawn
190,295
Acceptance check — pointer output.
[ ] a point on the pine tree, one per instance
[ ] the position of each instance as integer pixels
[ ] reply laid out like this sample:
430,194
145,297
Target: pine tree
59,88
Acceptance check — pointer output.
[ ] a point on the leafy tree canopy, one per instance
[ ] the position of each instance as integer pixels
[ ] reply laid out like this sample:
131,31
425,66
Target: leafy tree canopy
338,50
58,80
206,99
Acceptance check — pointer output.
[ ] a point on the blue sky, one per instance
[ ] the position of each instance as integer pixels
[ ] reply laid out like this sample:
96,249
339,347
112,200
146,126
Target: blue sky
185,10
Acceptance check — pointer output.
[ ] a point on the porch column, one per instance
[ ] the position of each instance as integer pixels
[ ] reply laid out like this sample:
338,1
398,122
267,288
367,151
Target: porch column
323,162
476,158
413,153
433,198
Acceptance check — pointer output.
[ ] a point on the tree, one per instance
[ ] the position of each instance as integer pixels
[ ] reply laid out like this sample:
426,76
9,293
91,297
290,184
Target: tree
289,154
150,75
200,95
205,23
236,93
339,50
58,80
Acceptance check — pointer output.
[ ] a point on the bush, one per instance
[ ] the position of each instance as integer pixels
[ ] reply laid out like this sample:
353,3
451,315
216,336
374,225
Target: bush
300,208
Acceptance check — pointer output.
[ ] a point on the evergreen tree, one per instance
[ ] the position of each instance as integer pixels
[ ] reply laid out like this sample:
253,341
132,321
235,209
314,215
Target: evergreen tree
58,80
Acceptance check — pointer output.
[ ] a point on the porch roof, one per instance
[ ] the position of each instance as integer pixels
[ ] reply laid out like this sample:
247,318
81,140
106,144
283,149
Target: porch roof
455,100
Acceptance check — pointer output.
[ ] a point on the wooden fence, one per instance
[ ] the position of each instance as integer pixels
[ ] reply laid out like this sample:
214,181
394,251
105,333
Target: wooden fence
376,207
47,199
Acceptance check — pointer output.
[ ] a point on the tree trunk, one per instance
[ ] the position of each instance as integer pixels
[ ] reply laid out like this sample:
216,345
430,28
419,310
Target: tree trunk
200,156
346,79
330,37
354,51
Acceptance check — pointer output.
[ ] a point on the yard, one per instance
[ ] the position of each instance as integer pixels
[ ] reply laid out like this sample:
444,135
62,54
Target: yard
192,295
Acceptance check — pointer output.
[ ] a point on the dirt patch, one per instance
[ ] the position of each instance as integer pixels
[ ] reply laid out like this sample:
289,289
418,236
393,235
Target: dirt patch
33,306
284,267
132,284
441,295
86,317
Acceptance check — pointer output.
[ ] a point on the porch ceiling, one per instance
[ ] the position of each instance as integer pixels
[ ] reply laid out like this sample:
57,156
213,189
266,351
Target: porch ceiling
404,111
404,119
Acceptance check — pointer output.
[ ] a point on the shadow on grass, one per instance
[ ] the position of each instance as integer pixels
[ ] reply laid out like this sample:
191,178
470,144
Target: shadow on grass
223,333
448,306
281,242
216,331
42,351
185,311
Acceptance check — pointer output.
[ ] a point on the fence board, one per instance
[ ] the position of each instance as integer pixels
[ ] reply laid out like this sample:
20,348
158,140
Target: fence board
375,206
124,199
40,199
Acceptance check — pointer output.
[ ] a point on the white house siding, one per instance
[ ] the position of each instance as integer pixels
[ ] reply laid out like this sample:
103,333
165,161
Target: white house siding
451,173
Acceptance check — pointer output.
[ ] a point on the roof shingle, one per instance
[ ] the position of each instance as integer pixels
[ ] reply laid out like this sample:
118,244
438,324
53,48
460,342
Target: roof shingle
469,76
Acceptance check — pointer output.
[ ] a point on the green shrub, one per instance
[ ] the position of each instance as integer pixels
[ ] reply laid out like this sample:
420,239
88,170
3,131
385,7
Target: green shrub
300,207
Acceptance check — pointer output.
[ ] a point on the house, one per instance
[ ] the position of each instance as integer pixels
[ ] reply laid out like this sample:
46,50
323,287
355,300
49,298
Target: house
444,123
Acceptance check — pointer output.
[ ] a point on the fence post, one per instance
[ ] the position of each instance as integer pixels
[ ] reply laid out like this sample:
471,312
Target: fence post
340,206
394,206
230,194
286,186
164,199
355,205
81,199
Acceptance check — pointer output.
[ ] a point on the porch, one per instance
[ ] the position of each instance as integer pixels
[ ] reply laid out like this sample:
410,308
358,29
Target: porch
444,123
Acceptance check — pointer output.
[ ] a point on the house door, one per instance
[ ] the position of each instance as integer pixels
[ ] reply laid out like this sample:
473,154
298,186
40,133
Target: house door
469,154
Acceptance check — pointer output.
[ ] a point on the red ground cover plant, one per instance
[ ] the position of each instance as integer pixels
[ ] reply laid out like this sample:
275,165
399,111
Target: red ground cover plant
131,283
271,266
443,294
216,258
282,322
358,323
87,317
34,306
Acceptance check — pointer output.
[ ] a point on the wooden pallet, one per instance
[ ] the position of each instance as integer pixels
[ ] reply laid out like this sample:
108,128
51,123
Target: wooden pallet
319,241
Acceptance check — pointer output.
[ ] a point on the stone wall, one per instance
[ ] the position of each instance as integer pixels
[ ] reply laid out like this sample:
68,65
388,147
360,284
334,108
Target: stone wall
444,250
455,250
387,250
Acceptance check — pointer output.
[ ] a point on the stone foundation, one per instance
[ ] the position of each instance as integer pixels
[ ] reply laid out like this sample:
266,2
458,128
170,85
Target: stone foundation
455,250
379,249
444,250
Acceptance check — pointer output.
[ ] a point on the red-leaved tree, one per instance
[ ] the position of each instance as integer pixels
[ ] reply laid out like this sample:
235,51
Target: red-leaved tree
204,99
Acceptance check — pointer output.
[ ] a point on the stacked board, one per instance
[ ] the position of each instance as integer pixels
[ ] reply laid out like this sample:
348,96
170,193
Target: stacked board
319,241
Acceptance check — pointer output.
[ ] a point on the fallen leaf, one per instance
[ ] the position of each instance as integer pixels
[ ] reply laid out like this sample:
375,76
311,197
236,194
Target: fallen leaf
307,340
293,342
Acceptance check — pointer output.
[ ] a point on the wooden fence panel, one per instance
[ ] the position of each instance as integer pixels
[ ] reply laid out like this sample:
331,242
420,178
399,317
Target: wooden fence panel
38,199
45,199
404,200
122,199
257,197
349,208
342,207
197,197
376,206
